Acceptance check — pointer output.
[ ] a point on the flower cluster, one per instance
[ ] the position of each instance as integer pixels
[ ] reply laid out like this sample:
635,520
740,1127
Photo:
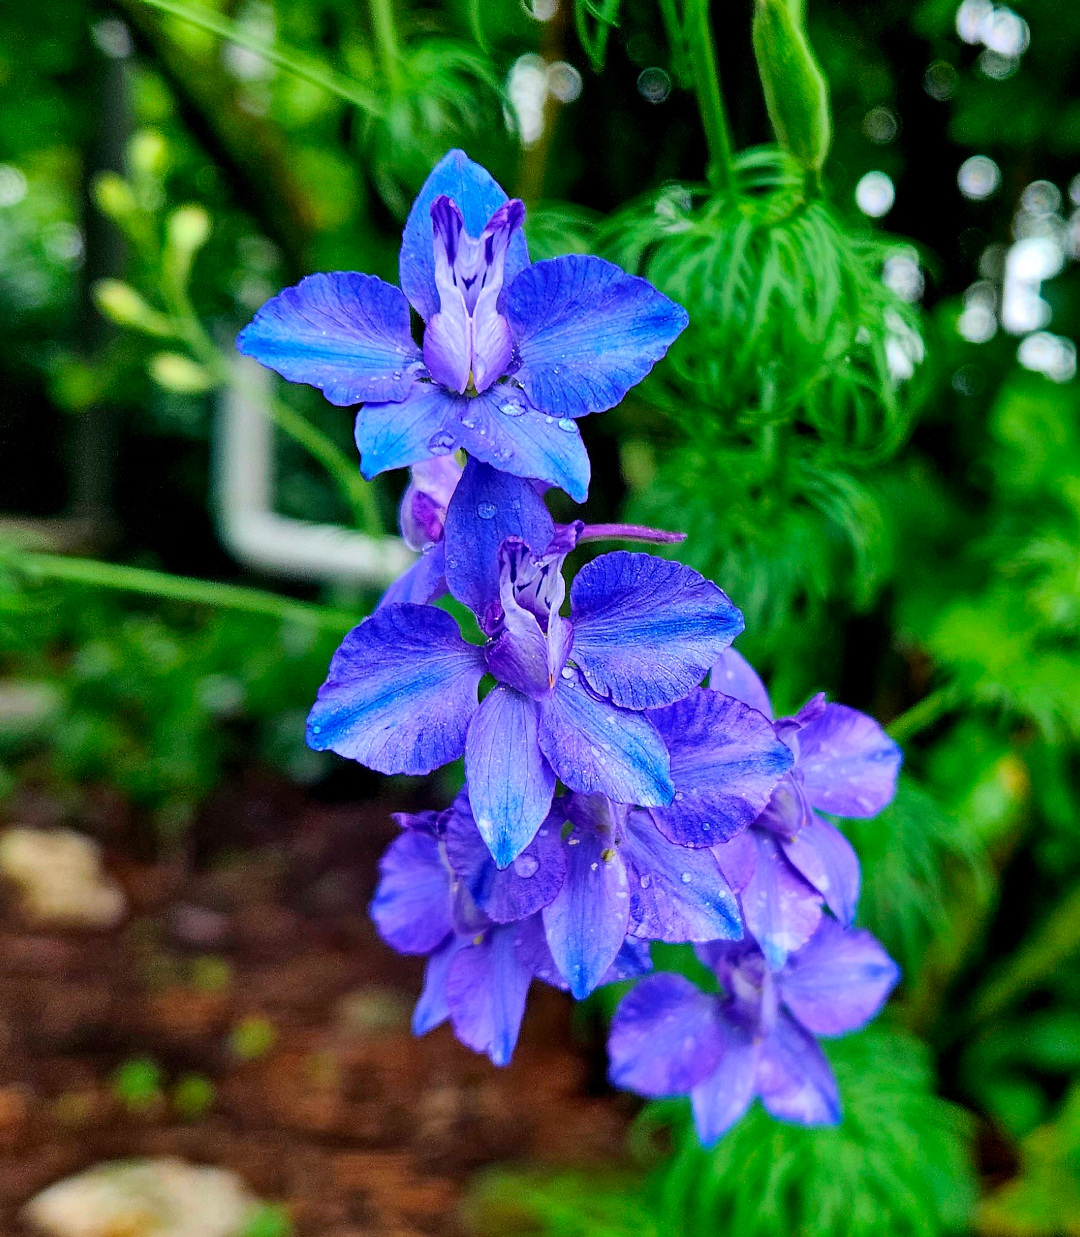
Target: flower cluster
610,799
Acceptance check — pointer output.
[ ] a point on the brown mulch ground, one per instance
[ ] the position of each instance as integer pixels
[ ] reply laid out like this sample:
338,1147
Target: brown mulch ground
362,1130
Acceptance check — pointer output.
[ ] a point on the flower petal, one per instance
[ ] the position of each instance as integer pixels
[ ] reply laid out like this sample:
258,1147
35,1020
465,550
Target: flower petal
721,1099
487,507
424,581
781,909
400,693
585,924
631,962
586,332
503,429
345,333
676,894
422,514
431,1009
411,907
517,891
725,761
821,853
510,782
734,676
486,990
794,1079
396,435
665,1037
477,195
839,980
599,749
646,629
848,763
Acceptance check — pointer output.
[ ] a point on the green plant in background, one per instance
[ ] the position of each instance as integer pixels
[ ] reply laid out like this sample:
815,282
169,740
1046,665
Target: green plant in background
885,500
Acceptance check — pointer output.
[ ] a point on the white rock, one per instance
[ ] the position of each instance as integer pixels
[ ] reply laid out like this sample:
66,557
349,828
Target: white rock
143,1198
60,878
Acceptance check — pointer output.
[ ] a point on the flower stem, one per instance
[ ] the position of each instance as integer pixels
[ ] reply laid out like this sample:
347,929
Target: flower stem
924,714
386,40
699,44
119,578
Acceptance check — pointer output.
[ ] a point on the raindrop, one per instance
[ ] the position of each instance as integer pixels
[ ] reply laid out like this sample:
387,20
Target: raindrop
441,442
567,673
510,409
685,878
679,796
526,866
316,730
567,425
654,84
486,510
645,881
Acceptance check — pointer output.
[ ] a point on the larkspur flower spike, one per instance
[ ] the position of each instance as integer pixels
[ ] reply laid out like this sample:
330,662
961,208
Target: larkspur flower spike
513,353
687,813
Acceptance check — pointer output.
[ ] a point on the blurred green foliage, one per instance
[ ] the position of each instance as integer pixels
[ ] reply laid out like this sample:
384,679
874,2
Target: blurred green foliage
895,507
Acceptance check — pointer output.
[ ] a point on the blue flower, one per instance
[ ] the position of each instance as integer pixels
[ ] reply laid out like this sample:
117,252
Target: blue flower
440,894
758,1037
513,353
571,693
792,860
624,878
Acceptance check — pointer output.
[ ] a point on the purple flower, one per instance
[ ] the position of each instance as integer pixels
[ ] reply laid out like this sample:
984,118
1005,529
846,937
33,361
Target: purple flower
512,352
422,518
440,894
624,878
571,693
792,861
757,1038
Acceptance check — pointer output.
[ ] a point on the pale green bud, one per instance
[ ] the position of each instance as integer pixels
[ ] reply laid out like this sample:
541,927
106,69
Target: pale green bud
188,228
113,196
147,153
120,302
179,374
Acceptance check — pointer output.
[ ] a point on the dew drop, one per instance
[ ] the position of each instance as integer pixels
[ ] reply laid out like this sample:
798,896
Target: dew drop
550,420
397,375
526,866
511,409
316,730
645,881
469,422
441,443
679,796
502,454
567,425
593,867
685,878
567,673
706,826
486,510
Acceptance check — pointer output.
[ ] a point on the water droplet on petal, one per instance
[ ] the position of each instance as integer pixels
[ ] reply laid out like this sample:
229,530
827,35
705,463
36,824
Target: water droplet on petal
685,878
316,730
567,673
441,442
397,375
510,409
645,881
567,425
679,796
526,866
593,867
486,510
550,420
502,454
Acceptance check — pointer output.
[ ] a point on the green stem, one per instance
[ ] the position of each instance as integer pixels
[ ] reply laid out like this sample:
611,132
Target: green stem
386,40
1036,961
359,494
291,62
924,714
113,576
702,52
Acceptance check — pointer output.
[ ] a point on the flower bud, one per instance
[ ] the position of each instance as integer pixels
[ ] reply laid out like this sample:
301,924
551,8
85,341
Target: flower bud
796,92
120,302
179,374
113,196
147,153
423,506
188,228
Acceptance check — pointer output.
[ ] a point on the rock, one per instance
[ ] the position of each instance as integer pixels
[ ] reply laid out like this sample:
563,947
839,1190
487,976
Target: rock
143,1198
60,878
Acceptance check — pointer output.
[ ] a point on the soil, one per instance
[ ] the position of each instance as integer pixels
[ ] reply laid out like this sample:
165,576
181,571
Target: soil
261,973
